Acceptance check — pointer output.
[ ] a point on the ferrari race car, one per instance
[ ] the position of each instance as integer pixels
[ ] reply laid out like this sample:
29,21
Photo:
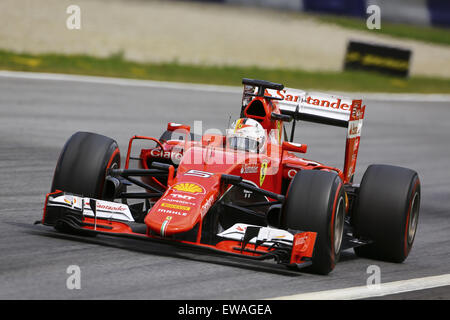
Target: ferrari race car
245,193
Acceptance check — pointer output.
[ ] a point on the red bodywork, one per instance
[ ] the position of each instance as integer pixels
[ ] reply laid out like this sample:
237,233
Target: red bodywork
274,169
196,186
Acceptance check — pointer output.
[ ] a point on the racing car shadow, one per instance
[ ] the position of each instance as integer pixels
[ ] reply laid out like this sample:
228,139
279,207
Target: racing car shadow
167,250
348,255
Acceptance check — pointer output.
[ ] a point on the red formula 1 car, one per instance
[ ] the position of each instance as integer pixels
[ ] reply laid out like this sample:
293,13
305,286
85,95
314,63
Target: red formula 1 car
244,193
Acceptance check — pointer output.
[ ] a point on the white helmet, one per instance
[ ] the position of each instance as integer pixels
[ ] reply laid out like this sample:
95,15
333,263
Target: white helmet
247,135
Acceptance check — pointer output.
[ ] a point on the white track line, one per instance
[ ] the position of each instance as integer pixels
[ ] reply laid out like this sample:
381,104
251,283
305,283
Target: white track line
120,81
373,291
413,97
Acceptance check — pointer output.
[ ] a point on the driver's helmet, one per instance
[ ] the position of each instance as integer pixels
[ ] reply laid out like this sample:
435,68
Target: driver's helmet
247,135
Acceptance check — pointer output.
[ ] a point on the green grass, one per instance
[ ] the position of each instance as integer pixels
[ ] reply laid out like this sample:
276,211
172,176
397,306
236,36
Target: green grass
116,66
406,31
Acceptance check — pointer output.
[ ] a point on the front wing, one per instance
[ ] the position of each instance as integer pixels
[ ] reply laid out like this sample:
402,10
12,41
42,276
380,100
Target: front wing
292,248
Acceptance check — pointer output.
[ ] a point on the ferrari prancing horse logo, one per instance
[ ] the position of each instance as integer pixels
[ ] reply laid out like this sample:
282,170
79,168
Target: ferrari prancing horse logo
262,172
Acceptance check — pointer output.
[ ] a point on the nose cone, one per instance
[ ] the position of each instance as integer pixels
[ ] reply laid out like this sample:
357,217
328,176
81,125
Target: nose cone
181,207
193,192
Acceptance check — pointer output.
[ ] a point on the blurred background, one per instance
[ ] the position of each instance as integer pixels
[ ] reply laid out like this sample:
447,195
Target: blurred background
303,42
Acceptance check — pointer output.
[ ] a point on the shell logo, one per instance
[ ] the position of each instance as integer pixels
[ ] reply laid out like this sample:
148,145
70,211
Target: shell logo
189,187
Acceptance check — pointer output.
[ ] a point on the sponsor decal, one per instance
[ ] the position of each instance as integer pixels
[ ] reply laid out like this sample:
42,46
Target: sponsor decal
353,128
164,225
175,206
263,171
181,196
356,110
328,104
189,188
288,97
180,201
165,154
249,168
207,204
107,207
112,208
69,199
184,214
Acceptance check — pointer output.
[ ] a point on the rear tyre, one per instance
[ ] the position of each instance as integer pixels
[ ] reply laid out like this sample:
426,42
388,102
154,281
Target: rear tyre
316,202
387,212
82,165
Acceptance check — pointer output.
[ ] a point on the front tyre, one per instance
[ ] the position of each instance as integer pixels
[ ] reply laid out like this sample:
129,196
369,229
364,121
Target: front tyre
82,164
387,212
315,202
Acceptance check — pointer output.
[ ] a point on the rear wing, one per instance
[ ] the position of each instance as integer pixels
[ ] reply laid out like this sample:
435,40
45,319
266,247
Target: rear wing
314,107
319,108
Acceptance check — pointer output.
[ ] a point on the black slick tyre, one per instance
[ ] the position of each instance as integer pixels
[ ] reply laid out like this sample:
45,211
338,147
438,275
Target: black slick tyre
387,212
82,164
315,202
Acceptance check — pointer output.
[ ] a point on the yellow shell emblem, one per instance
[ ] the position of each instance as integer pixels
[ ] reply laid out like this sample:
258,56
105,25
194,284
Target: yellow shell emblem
189,187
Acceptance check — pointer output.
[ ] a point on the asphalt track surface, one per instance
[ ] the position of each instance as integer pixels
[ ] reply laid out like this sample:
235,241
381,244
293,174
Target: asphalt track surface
38,116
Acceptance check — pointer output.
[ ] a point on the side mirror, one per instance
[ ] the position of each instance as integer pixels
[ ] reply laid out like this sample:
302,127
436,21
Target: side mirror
172,126
294,147
213,140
